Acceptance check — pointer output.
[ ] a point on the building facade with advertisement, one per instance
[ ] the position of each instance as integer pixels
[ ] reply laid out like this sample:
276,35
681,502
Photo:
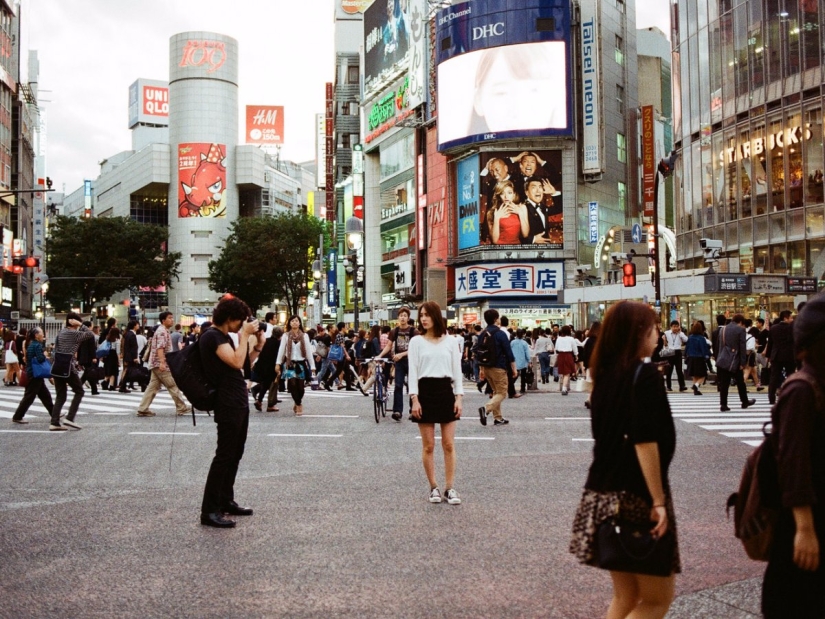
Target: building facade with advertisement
531,189
748,113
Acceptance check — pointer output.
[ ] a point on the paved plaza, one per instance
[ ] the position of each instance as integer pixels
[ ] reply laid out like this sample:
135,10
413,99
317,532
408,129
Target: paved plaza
103,521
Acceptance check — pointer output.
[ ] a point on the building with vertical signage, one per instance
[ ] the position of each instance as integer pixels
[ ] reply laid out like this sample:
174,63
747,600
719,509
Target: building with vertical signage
747,124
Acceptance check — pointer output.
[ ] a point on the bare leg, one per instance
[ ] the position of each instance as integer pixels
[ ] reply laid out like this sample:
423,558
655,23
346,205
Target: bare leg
656,593
448,445
427,448
625,595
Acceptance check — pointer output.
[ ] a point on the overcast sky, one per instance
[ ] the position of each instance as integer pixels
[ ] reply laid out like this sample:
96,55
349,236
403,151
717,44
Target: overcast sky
91,50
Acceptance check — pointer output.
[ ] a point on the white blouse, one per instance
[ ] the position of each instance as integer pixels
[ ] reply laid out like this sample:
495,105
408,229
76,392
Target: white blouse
565,343
296,349
440,359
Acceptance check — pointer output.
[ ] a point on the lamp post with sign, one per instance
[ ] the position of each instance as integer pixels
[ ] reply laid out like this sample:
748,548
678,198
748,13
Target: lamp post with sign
354,232
664,168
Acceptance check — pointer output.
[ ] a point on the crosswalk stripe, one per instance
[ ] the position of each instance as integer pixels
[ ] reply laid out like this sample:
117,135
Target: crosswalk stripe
733,426
742,434
726,420
743,424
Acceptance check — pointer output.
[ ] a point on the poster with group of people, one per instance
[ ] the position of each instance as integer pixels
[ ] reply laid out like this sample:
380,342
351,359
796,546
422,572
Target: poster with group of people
520,199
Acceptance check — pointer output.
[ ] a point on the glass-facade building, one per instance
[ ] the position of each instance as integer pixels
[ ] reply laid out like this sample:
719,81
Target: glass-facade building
748,79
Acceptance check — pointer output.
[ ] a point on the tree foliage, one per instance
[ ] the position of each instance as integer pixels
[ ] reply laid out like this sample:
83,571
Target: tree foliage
97,249
267,258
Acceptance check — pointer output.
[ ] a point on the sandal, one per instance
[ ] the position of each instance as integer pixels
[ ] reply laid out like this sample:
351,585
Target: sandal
299,410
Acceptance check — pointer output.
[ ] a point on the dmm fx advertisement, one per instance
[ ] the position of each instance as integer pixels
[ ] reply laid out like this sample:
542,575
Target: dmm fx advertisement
497,280
468,223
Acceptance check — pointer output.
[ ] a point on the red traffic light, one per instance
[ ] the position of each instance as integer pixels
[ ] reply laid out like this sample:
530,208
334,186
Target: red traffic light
25,262
629,275
32,262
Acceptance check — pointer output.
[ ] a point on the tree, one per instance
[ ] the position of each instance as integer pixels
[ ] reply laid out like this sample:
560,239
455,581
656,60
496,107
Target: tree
268,257
107,255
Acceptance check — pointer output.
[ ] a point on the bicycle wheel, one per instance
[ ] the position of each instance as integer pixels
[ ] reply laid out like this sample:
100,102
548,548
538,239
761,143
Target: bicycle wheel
377,401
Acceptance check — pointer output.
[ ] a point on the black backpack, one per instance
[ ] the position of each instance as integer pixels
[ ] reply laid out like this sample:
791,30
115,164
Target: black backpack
186,367
485,352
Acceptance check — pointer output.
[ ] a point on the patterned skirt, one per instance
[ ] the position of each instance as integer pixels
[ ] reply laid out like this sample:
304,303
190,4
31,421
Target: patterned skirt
596,507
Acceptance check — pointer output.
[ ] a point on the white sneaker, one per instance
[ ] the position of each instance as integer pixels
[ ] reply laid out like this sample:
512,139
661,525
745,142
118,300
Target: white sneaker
435,495
72,424
452,497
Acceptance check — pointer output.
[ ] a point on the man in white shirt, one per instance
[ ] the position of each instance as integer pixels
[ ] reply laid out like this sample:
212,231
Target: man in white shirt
674,339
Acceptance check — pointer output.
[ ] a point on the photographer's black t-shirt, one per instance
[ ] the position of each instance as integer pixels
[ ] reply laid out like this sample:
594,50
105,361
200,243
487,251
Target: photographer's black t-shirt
232,393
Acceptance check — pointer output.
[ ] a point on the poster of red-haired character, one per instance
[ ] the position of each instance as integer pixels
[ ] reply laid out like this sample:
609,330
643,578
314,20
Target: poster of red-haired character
202,180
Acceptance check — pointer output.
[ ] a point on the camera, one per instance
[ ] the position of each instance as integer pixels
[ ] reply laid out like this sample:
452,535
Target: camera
582,269
711,249
710,244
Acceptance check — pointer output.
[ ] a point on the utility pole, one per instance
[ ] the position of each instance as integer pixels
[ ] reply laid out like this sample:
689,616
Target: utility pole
665,168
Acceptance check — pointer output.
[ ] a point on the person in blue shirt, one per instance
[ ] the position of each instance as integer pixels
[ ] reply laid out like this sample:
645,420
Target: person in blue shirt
496,373
521,352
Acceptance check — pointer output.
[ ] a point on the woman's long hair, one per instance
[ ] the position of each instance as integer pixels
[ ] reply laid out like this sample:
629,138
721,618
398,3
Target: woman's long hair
300,323
621,336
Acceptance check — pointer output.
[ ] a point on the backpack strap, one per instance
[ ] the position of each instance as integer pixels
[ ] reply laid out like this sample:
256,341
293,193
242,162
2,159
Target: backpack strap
804,377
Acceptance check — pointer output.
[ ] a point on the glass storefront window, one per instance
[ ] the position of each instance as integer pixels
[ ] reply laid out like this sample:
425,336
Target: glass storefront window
756,47
740,42
398,156
697,177
796,258
791,28
777,222
743,165
760,260
746,259
776,163
707,180
812,144
794,150
796,225
718,171
815,259
809,17
773,49
779,259
732,240
756,167
715,42
728,64
815,222
733,166
687,187
704,76
760,230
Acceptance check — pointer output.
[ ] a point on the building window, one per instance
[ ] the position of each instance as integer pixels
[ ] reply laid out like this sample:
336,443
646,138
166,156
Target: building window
622,191
619,50
621,148
620,98
353,108
352,75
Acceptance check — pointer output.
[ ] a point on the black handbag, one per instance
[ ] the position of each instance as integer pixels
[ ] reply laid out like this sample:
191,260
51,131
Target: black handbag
623,546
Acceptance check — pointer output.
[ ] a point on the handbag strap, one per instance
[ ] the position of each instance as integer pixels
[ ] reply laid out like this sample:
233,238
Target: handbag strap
632,406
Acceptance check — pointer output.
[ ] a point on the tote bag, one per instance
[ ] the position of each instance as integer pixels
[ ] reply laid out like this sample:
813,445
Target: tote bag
336,353
41,369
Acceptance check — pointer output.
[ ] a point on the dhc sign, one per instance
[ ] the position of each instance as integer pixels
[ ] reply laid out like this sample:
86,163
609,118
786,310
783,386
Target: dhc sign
591,98
492,30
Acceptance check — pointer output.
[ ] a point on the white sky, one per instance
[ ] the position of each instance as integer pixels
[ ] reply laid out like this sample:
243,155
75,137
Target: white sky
91,50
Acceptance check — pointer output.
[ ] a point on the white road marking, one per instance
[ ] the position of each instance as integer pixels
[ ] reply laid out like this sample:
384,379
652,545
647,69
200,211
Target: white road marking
32,432
308,435
743,434
585,440
332,416
168,433
734,426
567,418
466,438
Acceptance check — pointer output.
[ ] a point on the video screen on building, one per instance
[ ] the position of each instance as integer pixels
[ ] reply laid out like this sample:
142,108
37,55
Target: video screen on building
386,41
503,92
513,198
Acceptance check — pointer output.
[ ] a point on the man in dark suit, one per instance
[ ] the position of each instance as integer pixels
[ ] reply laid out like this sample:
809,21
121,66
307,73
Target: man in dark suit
780,353
730,361
540,216
130,353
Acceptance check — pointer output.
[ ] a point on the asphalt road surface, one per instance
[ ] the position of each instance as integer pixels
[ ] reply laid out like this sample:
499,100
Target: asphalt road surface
103,521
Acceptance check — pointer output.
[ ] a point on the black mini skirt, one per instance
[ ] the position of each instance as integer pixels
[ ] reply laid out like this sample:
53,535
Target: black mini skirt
437,400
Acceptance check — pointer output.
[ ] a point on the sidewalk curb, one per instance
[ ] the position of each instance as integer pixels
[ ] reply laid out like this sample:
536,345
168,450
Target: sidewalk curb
736,600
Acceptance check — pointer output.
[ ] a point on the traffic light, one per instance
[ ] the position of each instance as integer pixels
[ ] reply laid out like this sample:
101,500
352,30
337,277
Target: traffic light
629,274
26,262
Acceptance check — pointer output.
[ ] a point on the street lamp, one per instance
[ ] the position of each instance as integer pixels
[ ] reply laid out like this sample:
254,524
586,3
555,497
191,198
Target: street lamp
354,231
43,290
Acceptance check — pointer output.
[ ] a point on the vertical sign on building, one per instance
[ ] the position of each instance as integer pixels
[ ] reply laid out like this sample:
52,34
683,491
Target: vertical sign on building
591,97
329,152
87,198
468,195
421,218
648,160
320,152
593,218
332,279
358,181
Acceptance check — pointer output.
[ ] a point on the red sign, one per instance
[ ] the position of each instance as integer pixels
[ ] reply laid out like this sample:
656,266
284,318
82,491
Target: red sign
264,124
155,101
648,160
201,180
200,53
329,141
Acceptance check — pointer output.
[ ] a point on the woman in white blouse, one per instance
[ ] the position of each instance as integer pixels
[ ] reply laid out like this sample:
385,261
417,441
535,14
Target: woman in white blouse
294,354
566,349
436,392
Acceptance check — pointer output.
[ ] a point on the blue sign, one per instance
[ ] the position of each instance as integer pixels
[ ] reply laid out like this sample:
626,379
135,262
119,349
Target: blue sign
636,233
468,200
332,279
593,218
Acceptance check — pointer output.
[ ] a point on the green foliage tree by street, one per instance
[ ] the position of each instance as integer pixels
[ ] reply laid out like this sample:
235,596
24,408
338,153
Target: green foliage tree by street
107,247
267,258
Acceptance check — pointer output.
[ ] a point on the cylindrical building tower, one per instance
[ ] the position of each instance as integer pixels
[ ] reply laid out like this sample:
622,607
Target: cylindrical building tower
203,132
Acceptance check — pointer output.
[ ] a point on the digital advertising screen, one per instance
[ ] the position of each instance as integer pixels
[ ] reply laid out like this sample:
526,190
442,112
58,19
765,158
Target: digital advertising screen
503,72
386,41
520,200
201,179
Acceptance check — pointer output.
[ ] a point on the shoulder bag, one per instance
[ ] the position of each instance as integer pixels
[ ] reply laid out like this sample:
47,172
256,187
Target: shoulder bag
667,349
11,356
41,369
336,353
626,546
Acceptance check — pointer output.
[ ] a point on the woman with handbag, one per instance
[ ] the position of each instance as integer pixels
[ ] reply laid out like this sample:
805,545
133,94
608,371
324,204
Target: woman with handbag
293,361
36,387
627,485
11,359
111,360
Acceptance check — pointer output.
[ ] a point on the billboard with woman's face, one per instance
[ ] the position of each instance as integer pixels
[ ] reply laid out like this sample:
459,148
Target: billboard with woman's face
516,200
503,73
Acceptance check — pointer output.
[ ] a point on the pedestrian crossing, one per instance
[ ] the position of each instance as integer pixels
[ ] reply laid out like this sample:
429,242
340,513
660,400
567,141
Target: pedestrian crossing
743,425
108,403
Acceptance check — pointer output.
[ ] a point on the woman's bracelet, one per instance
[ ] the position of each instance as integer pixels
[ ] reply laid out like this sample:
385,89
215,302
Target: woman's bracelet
661,505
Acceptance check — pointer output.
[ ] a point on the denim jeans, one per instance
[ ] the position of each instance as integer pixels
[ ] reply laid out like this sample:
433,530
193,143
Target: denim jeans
402,368
544,361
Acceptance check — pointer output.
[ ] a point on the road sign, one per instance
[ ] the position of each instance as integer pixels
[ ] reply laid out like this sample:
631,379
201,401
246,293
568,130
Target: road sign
636,233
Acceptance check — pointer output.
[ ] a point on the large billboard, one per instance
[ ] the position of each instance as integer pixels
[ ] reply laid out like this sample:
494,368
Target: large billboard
516,200
201,179
499,280
148,102
386,42
265,124
503,73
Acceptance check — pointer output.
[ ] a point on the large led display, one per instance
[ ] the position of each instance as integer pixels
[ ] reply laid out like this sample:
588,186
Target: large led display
503,72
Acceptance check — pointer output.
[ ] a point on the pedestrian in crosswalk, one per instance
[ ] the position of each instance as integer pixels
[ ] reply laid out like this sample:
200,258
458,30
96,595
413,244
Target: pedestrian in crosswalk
36,387
67,342
697,351
161,345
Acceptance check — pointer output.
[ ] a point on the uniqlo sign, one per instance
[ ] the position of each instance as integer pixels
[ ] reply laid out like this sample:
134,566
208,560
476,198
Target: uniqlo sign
155,101
264,124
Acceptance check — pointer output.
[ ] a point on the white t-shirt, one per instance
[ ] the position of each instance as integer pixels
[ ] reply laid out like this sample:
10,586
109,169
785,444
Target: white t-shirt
440,359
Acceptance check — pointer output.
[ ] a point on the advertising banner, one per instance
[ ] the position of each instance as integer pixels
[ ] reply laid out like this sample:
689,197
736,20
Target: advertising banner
148,102
648,160
520,201
332,279
508,280
201,179
386,42
468,195
265,124
593,219
591,111
503,73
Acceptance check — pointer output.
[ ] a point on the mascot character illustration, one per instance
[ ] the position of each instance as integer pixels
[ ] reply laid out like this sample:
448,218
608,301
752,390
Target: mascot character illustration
204,193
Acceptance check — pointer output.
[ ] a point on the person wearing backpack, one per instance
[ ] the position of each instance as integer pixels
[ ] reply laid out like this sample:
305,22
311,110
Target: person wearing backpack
70,338
398,345
794,583
496,359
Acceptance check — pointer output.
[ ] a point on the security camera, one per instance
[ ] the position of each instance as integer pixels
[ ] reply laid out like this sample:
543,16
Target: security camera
616,258
582,269
710,244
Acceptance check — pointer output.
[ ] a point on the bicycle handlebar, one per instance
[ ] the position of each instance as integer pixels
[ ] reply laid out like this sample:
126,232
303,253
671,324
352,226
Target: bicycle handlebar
379,359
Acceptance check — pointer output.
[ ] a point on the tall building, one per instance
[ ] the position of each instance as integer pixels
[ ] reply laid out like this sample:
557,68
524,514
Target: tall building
748,126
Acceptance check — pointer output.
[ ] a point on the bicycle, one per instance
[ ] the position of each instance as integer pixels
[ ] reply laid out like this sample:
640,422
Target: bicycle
379,390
